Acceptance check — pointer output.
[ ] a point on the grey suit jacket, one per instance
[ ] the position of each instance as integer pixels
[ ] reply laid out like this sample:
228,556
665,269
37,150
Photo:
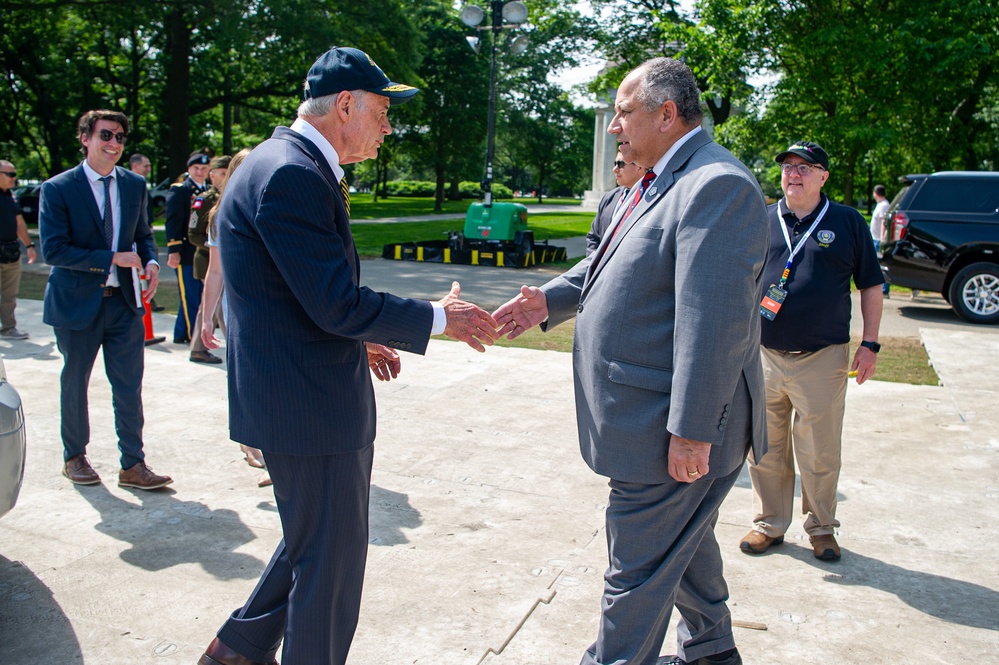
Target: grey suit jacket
667,322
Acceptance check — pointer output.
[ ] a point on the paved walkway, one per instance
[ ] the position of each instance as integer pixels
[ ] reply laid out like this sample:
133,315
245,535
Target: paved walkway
487,541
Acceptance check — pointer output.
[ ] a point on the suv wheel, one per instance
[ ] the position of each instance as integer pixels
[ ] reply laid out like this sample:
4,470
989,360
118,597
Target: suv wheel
974,293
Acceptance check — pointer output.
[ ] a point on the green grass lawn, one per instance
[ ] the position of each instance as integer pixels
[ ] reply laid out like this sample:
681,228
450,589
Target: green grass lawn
370,238
362,207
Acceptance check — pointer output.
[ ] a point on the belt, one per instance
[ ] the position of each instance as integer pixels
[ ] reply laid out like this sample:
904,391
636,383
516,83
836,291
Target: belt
787,353
111,290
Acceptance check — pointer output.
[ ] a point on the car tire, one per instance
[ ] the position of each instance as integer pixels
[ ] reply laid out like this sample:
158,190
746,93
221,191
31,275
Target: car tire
974,293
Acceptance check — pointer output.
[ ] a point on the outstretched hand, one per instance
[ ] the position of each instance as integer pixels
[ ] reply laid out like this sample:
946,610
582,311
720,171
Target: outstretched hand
466,322
522,312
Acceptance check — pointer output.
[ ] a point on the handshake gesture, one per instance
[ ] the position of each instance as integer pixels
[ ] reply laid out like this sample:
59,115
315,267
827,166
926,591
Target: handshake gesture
466,322
471,324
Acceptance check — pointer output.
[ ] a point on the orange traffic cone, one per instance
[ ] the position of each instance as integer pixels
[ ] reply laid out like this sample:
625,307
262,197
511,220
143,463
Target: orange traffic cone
147,319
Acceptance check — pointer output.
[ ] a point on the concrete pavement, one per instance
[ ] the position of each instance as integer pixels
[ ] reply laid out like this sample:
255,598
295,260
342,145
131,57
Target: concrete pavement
487,540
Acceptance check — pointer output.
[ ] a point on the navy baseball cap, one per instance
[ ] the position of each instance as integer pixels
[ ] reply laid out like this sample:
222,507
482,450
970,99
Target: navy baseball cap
342,68
812,153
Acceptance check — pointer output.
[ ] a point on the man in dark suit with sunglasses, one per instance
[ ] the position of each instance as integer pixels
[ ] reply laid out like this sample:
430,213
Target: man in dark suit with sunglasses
626,174
96,237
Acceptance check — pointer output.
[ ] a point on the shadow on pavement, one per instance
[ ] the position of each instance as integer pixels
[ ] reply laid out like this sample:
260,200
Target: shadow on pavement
388,514
954,601
31,620
162,535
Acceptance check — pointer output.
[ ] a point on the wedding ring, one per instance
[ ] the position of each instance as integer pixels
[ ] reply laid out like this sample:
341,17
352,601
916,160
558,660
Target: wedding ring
693,473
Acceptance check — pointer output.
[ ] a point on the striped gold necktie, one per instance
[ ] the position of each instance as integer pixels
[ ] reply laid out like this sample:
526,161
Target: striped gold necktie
346,193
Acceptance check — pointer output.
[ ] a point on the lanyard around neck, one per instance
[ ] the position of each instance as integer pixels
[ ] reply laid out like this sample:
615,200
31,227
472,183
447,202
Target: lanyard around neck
794,249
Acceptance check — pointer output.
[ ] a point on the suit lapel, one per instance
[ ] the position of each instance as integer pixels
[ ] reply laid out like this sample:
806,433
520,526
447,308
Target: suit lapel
86,193
656,191
126,230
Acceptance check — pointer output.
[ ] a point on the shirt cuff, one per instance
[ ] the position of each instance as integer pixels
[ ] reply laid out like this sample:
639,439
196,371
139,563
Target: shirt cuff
440,319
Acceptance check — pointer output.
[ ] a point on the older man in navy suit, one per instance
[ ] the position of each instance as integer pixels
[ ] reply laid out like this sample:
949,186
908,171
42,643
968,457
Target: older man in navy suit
96,236
302,336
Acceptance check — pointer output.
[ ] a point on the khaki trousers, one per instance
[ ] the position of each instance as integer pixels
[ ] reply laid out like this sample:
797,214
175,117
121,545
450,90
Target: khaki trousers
10,282
806,400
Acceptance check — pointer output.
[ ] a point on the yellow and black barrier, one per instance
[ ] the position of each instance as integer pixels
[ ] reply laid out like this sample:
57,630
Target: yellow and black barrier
477,253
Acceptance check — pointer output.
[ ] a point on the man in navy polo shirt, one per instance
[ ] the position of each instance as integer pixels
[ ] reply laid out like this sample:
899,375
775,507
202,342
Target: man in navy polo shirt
816,247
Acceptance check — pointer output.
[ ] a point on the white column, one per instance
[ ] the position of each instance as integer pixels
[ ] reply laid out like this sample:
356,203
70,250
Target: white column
604,148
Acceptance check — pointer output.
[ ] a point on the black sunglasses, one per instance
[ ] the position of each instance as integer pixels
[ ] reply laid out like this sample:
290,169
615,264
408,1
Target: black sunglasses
621,163
9,174
107,135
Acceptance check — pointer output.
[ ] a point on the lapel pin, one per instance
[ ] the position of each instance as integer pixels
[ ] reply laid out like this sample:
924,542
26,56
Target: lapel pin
652,192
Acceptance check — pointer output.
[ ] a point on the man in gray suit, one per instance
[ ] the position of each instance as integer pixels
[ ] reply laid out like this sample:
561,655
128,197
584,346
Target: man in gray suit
669,386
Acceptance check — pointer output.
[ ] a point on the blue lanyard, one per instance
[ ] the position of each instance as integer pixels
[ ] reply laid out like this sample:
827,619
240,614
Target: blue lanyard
794,249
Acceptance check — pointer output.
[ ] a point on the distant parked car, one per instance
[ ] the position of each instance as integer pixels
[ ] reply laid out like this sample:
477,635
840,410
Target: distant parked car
27,199
942,234
12,444
158,195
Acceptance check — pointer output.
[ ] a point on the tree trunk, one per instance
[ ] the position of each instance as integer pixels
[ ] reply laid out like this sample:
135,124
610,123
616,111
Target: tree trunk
849,171
177,92
439,191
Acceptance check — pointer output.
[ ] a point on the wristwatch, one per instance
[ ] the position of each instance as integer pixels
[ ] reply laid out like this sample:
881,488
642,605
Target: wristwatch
873,346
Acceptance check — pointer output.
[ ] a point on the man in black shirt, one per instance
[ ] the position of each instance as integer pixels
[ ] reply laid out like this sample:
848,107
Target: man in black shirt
12,228
816,248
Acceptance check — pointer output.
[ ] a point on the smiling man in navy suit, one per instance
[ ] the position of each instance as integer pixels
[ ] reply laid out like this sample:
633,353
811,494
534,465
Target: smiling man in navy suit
302,337
96,236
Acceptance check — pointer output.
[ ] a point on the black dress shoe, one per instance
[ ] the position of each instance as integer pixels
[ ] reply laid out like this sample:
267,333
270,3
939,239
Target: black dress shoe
181,340
218,653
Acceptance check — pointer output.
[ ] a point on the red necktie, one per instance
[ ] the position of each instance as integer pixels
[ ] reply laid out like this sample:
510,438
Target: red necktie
646,180
649,177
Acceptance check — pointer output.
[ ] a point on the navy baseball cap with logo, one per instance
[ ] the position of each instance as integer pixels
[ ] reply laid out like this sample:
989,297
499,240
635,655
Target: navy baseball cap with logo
808,151
343,68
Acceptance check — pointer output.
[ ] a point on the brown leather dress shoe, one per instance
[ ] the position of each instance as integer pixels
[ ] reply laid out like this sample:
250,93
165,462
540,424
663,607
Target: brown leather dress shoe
78,470
757,542
825,547
218,653
205,357
142,477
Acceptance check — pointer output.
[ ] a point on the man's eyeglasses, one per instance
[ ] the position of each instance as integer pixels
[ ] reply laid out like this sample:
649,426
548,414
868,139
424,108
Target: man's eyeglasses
620,164
9,174
801,169
107,135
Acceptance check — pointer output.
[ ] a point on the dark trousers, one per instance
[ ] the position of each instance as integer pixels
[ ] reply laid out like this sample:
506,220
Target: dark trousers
662,550
310,592
190,301
119,331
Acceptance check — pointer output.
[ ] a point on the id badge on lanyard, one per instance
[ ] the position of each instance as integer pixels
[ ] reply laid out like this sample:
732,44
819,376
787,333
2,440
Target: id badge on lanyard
776,294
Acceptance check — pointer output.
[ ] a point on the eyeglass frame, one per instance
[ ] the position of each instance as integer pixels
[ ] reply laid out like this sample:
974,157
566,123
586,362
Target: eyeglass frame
620,164
106,135
9,174
787,167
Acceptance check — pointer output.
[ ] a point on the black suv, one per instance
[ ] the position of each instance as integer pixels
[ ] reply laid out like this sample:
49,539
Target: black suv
942,234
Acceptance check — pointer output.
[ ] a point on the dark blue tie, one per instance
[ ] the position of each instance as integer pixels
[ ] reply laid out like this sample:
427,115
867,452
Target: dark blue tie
108,221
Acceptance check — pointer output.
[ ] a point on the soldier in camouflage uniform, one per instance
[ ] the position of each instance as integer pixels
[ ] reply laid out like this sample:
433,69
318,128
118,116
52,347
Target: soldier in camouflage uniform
197,235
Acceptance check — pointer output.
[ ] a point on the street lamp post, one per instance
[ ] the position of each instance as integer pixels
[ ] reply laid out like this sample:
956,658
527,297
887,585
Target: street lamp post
504,15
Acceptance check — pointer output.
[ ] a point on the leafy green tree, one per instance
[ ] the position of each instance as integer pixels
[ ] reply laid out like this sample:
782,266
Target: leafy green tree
448,134
888,87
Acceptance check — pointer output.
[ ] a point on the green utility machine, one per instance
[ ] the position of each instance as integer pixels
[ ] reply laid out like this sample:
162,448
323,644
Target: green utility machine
495,235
